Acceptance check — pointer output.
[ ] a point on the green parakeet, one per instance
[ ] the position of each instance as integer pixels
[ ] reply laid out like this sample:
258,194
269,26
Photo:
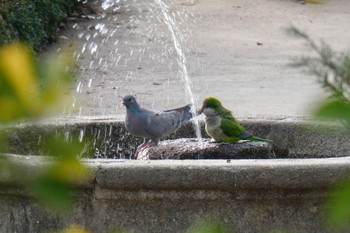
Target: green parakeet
221,125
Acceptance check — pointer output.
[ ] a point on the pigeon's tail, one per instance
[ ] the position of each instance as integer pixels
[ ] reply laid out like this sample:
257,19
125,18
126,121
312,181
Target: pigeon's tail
250,137
185,111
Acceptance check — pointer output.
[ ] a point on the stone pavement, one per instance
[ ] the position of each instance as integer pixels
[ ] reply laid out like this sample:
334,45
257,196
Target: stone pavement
236,50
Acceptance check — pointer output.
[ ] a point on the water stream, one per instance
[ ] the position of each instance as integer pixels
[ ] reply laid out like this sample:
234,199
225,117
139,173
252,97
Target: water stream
127,43
181,60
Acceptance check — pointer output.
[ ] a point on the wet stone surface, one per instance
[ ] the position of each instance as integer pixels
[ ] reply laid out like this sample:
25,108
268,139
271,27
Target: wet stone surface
191,148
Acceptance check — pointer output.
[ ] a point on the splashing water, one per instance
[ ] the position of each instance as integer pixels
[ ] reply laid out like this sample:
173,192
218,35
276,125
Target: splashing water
125,41
182,61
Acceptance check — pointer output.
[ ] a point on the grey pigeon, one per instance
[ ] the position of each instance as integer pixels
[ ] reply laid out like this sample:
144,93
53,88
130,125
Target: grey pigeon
153,125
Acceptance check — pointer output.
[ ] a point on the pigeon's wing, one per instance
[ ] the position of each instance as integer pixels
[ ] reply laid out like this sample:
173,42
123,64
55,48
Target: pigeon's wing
163,123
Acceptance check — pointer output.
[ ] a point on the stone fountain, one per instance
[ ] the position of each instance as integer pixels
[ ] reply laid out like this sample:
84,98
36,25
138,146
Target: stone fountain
249,194
284,186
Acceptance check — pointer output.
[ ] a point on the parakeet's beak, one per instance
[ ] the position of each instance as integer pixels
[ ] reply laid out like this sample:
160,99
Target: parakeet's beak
200,110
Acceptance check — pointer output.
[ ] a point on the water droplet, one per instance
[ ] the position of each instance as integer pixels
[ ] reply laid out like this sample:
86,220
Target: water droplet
78,87
66,136
83,48
93,47
81,135
90,81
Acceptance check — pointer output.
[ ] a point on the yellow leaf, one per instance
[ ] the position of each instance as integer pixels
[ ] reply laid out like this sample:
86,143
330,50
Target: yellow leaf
74,229
9,109
70,169
17,64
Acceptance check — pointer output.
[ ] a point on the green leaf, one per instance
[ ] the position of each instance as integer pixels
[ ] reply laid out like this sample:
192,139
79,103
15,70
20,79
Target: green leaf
53,192
338,209
68,166
73,229
335,109
209,226
6,168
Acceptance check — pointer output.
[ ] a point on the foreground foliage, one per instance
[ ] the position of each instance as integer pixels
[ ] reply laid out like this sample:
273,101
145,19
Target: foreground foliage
30,89
33,22
332,70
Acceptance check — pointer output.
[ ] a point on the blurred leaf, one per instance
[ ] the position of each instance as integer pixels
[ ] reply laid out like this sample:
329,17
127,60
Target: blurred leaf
335,109
60,147
338,209
28,88
53,192
57,75
4,140
117,231
69,170
280,231
53,187
68,166
18,68
74,229
333,71
208,226
6,168
19,90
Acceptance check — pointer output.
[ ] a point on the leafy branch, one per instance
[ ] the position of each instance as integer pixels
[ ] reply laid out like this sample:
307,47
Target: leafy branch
332,70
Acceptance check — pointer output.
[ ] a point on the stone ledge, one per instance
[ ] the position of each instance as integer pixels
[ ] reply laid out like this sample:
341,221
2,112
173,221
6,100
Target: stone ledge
170,195
241,177
231,175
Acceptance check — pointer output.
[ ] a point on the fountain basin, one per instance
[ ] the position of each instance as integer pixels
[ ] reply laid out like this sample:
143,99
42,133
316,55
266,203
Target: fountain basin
249,195
109,138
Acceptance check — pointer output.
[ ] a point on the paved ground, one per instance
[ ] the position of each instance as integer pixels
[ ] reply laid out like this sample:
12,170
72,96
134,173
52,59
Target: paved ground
236,50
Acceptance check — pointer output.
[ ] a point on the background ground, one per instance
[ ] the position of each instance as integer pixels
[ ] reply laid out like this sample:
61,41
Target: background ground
237,50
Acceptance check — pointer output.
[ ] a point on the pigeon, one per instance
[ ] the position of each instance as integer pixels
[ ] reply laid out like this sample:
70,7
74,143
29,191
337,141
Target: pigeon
151,125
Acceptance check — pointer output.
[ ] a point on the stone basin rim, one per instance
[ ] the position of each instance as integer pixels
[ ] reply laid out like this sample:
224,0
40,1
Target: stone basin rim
223,174
244,175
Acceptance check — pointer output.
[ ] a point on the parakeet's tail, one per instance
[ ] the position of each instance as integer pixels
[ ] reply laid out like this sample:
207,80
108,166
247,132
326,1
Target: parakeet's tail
250,137
257,139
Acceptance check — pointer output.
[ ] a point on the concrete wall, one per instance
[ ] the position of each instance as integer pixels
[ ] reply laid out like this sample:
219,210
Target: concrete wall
169,196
